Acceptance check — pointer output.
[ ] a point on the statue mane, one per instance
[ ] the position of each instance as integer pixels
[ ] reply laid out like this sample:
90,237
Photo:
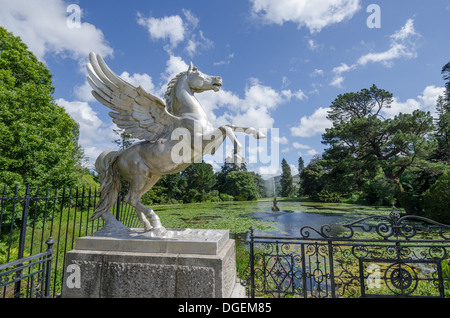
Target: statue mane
168,97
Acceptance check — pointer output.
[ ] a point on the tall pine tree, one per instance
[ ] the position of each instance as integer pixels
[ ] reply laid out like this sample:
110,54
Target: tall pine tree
301,166
287,187
442,133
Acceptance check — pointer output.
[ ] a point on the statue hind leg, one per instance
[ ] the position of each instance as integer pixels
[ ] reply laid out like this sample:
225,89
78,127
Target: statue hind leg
138,187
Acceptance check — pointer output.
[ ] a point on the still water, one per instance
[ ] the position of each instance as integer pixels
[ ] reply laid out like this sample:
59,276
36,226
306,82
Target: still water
295,215
290,223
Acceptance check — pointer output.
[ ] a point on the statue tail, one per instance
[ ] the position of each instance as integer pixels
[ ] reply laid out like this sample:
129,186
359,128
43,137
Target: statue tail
106,166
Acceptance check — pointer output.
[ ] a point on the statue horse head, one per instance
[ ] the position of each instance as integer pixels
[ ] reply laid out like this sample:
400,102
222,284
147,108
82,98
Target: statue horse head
192,81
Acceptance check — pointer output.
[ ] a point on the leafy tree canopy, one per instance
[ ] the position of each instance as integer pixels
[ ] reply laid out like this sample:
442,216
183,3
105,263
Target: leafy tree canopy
37,135
361,134
287,187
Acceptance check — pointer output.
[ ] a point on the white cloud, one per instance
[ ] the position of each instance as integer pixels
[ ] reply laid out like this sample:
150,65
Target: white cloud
314,15
137,80
429,97
84,92
312,125
42,25
313,46
317,72
198,42
426,102
281,140
175,30
166,28
254,110
312,153
343,68
405,32
402,45
338,71
337,81
174,66
297,145
193,21
95,135
294,170
226,61
269,170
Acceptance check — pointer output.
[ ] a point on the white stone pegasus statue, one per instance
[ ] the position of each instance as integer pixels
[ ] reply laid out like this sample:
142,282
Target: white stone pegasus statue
175,132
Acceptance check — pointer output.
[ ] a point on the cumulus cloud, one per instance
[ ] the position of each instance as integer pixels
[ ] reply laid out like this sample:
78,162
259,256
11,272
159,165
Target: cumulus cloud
426,101
312,125
317,72
137,80
253,110
281,140
176,31
43,26
170,28
402,45
95,135
314,15
297,145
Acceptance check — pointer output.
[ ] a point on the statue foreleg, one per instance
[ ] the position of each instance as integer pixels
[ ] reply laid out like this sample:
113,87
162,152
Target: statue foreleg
248,130
138,187
217,138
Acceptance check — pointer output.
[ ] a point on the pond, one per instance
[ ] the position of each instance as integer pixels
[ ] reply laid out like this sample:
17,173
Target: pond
295,215
238,217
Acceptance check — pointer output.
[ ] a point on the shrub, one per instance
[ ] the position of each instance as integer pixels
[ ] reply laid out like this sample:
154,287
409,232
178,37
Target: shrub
226,197
436,200
329,196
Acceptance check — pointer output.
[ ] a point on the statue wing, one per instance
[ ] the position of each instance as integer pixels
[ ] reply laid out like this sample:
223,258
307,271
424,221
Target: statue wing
140,114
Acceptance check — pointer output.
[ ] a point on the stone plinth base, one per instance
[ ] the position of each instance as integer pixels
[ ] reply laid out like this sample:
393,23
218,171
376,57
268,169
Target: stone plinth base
185,263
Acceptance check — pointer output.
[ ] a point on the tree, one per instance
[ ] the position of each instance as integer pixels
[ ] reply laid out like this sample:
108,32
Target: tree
312,179
392,145
199,177
37,135
124,141
227,167
287,187
442,133
174,185
301,166
241,185
260,184
437,199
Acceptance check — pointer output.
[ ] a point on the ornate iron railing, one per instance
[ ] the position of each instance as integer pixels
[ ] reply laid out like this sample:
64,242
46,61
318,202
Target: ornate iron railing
377,256
35,270
30,216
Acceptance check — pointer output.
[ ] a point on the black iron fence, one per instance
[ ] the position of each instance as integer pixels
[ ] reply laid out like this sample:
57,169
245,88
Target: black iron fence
33,270
29,218
377,256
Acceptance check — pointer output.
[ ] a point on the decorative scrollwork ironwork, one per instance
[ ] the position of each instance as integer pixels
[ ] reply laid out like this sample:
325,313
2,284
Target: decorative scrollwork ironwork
317,264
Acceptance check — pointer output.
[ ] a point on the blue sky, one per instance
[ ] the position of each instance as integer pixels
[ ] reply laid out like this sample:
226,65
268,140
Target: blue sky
282,61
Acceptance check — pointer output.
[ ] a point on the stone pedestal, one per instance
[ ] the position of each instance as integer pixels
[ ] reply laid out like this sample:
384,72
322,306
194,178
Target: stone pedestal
130,263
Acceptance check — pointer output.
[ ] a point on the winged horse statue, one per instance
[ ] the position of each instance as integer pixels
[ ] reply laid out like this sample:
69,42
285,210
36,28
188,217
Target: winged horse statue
175,132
